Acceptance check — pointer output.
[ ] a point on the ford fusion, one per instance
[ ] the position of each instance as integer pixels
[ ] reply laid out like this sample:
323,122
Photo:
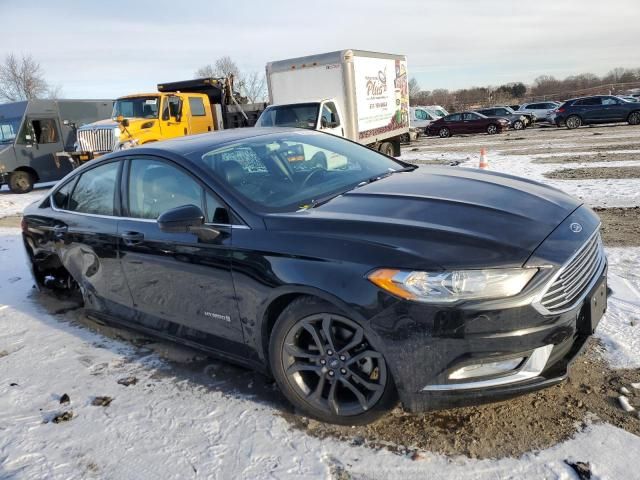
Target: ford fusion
354,279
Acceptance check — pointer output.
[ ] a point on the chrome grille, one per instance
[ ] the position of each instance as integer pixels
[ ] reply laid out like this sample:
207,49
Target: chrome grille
575,276
100,140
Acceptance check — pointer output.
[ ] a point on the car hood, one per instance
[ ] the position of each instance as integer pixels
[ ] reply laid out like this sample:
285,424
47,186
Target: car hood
437,217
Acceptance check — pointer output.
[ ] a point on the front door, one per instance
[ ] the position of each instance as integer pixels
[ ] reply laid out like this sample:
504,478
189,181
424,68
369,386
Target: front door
181,284
36,147
173,122
330,121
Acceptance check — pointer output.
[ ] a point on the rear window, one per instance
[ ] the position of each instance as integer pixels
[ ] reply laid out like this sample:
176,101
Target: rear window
456,117
197,107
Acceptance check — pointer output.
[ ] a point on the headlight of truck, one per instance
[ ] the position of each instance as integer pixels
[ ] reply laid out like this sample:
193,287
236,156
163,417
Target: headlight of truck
452,286
116,132
126,144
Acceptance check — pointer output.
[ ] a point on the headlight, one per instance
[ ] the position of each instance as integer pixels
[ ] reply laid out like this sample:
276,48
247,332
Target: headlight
447,287
116,132
126,144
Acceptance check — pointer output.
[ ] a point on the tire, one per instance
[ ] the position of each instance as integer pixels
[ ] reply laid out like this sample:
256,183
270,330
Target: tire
573,121
386,148
21,182
634,118
319,376
444,132
492,129
518,125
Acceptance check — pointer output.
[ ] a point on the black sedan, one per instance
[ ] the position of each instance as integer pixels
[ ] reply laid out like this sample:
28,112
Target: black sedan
466,122
352,278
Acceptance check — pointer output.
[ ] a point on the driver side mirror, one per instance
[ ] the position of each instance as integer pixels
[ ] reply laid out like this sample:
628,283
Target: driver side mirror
186,219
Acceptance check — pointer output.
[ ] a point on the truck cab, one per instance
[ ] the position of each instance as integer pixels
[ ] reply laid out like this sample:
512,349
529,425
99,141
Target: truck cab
324,115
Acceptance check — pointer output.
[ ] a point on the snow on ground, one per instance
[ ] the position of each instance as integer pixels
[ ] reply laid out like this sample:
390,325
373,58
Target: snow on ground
175,423
12,204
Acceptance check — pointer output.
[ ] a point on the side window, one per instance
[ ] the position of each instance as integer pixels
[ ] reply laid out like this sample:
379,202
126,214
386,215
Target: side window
456,117
171,107
427,116
216,211
421,115
330,116
196,105
156,186
95,191
470,116
39,131
610,101
61,197
500,111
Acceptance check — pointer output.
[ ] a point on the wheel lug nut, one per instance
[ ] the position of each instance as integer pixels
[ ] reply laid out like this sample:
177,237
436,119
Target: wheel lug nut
329,352
331,373
323,362
343,371
342,358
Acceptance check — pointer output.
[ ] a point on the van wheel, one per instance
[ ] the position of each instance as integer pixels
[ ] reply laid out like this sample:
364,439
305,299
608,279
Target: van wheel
387,149
634,118
20,182
573,121
444,132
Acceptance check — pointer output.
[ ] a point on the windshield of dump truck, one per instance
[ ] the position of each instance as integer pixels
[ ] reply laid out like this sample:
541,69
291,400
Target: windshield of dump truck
137,107
301,115
9,129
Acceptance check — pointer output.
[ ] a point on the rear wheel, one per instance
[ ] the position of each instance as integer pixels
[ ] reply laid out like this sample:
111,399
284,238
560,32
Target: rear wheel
444,132
518,125
20,182
326,365
634,118
386,148
573,121
492,129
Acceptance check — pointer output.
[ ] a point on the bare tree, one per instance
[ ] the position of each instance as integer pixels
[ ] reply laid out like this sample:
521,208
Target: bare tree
223,67
414,89
254,87
21,79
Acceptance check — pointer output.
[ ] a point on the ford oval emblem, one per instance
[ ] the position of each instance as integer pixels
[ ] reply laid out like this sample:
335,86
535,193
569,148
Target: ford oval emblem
575,227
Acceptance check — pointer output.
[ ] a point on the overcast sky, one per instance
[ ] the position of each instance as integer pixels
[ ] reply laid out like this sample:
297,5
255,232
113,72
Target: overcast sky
103,49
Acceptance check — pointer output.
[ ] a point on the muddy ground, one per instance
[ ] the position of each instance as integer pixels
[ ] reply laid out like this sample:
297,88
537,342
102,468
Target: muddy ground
588,158
594,172
620,226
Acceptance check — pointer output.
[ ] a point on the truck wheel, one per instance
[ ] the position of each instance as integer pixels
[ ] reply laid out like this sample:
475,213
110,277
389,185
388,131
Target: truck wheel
386,148
20,182
634,118
492,129
444,132
573,121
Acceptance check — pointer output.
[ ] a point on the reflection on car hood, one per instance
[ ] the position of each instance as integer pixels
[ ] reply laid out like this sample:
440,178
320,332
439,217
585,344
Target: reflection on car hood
444,216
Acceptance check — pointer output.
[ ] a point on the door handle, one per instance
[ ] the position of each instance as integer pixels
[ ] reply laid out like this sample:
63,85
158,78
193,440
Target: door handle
59,230
132,238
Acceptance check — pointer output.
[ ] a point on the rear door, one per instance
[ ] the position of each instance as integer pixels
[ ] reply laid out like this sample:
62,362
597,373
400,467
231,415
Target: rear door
590,109
195,109
84,230
36,146
181,284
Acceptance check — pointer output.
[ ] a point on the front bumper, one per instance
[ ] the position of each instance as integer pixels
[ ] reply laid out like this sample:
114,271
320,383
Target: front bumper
426,345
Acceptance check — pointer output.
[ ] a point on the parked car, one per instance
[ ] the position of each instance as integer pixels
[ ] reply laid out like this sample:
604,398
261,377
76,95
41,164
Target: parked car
514,107
421,118
516,121
540,109
596,109
467,122
349,284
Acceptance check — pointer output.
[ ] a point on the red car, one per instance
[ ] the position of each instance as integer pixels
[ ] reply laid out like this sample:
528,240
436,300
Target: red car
467,122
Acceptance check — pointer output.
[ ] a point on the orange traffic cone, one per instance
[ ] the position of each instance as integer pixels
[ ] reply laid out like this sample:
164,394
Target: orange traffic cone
483,159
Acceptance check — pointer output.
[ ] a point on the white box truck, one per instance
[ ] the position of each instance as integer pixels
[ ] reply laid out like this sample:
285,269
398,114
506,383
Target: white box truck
362,96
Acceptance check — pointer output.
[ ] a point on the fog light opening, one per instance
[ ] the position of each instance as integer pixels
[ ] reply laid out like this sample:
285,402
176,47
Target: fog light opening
486,369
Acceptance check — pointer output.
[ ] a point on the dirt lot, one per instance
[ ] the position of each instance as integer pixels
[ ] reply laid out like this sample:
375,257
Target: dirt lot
594,172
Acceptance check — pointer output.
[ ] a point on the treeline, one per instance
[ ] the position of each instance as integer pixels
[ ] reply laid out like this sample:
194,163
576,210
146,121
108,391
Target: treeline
545,87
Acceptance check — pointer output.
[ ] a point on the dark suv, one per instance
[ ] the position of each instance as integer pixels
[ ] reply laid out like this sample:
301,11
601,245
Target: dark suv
597,109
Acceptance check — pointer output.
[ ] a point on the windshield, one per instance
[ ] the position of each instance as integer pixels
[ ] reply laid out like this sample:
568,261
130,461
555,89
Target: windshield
290,171
136,107
9,128
302,115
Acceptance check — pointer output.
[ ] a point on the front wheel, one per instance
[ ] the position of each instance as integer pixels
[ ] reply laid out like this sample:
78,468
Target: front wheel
326,365
573,121
492,129
20,182
518,125
634,118
444,132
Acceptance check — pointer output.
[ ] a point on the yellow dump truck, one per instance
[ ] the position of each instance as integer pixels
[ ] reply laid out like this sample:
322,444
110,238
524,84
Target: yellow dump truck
176,109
